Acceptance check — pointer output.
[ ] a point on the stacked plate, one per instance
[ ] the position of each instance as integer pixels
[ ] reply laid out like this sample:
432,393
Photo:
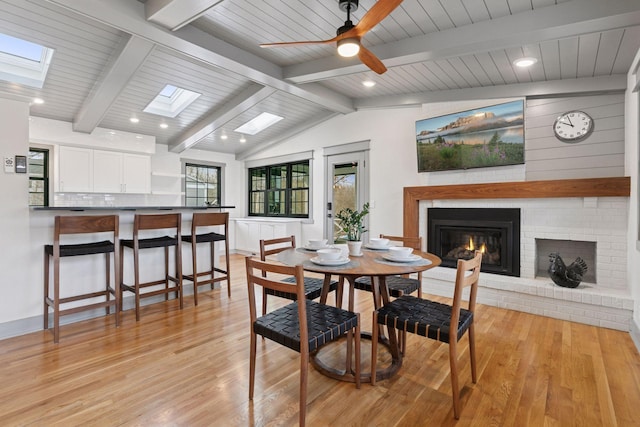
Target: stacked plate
339,261
398,258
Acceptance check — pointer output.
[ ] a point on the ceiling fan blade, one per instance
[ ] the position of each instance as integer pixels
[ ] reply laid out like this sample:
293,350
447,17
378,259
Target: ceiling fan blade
370,60
377,13
280,44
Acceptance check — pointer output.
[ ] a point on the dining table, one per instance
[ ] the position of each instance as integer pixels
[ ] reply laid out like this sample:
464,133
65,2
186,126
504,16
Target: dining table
376,263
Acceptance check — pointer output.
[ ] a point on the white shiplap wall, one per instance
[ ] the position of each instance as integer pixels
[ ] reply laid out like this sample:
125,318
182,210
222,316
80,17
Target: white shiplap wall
600,155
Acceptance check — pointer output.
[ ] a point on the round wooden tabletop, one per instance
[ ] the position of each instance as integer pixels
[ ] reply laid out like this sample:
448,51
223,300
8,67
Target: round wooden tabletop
371,263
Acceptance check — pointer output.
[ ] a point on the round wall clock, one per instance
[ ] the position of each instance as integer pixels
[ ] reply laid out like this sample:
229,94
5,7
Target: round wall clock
573,126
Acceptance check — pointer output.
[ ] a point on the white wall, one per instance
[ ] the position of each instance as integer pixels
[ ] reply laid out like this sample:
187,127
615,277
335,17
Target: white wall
393,161
18,283
394,165
632,163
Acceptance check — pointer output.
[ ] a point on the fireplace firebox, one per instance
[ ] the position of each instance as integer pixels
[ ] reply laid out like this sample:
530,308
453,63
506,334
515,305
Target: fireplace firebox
455,233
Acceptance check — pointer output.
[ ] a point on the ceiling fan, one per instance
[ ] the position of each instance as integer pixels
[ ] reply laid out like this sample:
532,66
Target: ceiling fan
349,35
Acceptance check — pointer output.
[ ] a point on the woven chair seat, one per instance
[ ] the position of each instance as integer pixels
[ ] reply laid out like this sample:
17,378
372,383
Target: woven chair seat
154,242
397,285
103,247
423,317
204,238
325,324
312,288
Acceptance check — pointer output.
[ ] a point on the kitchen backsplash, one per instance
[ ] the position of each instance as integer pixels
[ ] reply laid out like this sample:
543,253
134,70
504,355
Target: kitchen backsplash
116,200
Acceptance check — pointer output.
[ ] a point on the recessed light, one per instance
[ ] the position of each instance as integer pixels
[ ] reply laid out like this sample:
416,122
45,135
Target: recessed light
38,101
138,136
223,137
134,120
369,83
243,139
111,132
164,125
525,62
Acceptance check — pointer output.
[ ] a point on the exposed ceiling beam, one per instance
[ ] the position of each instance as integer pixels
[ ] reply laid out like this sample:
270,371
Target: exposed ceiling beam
129,16
175,14
283,137
572,87
116,75
238,105
563,20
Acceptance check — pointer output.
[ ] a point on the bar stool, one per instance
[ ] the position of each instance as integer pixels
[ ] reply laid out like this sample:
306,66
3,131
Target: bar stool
208,219
65,225
147,223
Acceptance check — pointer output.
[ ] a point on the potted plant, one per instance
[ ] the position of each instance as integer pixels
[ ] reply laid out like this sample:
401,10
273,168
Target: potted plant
351,223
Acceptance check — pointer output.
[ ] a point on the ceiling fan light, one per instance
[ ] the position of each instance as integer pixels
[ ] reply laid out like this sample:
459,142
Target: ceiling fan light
348,47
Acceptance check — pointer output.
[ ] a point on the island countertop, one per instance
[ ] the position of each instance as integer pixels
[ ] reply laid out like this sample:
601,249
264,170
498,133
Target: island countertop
125,208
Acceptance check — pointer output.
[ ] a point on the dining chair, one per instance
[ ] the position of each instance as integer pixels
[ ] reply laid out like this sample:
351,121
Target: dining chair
433,320
301,327
397,285
312,285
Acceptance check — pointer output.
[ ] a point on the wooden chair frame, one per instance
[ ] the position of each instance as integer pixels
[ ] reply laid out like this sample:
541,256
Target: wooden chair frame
290,242
149,222
65,225
208,219
253,266
467,275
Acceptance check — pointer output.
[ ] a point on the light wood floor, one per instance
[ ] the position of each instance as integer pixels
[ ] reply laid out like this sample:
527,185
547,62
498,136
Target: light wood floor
190,368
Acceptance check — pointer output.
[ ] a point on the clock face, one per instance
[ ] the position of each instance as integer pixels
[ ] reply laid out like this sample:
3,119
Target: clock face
573,126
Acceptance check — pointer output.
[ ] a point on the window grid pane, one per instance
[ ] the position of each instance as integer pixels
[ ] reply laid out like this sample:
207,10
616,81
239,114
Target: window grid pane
38,161
202,185
280,190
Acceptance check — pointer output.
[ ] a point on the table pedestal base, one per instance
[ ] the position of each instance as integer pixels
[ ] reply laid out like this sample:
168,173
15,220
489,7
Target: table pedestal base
348,374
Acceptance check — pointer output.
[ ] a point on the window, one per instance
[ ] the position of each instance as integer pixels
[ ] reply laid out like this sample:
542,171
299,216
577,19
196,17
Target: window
202,185
280,190
38,177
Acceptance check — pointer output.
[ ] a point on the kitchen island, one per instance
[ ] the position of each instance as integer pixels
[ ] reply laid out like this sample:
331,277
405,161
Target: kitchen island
83,274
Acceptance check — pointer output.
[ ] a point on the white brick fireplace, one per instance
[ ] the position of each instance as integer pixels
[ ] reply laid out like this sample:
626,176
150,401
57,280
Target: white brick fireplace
604,302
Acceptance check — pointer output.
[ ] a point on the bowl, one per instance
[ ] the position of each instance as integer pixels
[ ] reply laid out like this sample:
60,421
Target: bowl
317,243
379,242
400,251
329,254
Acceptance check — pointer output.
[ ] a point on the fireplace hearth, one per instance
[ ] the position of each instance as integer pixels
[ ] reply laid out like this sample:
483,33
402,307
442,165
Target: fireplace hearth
456,233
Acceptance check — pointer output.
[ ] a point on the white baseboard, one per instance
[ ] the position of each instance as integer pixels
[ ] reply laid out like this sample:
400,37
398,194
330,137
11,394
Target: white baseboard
34,324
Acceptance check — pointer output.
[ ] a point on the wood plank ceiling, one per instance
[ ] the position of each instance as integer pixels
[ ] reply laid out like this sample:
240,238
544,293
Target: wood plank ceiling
112,58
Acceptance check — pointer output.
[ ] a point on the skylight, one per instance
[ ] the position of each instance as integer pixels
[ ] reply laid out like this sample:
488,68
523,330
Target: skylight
258,123
23,62
171,101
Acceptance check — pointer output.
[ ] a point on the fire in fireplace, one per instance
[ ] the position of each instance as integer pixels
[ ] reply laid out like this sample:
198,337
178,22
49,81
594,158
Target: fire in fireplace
456,233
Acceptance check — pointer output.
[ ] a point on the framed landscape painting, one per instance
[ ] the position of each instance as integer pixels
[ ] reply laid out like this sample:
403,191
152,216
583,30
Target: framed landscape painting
483,137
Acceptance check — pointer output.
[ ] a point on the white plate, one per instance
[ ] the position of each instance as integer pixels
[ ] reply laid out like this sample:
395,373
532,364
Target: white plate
376,248
410,258
339,261
314,248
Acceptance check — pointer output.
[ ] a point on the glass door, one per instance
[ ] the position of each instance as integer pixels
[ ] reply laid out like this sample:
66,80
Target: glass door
346,188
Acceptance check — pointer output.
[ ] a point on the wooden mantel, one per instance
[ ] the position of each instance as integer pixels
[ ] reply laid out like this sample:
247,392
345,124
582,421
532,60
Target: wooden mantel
589,187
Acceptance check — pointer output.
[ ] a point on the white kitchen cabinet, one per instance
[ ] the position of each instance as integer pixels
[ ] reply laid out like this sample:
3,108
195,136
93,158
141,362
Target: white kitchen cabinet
249,231
115,172
136,173
107,171
75,169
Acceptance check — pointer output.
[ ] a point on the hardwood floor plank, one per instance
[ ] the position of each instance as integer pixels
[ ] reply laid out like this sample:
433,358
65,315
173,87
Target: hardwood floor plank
190,367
